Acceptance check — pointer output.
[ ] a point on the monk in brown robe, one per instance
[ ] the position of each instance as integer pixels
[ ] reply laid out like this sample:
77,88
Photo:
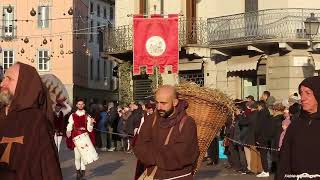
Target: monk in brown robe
27,149
173,152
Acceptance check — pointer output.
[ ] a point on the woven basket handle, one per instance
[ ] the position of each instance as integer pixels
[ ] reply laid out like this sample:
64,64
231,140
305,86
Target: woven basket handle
183,120
169,134
155,118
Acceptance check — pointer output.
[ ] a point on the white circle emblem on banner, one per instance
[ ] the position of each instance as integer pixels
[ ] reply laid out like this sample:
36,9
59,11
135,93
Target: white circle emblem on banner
155,46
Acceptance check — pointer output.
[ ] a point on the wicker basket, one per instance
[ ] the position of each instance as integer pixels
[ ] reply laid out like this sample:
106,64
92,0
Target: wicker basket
56,88
209,118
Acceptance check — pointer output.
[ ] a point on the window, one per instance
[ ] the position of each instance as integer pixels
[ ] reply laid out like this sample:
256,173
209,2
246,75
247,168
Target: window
8,19
104,69
43,60
100,40
111,13
105,12
43,16
91,7
98,69
98,10
98,26
91,31
193,76
8,59
251,5
91,69
98,30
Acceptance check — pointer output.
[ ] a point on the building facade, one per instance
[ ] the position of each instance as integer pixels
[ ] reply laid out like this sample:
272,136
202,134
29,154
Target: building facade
101,83
53,36
241,48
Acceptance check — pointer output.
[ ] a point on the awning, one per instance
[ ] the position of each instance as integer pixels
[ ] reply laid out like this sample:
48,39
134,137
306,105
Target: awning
316,60
190,66
242,63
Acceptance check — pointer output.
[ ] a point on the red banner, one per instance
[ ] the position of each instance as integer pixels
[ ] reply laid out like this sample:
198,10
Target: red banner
155,43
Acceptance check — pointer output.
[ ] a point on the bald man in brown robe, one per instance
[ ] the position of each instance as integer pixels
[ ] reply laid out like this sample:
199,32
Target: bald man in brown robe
27,150
177,158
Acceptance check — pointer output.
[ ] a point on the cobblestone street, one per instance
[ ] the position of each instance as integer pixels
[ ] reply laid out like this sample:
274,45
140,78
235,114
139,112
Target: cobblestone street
121,166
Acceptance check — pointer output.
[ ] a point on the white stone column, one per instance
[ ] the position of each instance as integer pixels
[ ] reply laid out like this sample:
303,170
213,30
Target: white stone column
285,73
170,79
210,73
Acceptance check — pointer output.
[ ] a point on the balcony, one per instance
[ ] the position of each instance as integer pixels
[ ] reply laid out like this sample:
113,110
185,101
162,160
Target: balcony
8,32
191,32
273,25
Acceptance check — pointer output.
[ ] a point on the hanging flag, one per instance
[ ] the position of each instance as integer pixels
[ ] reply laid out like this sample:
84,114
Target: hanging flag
155,43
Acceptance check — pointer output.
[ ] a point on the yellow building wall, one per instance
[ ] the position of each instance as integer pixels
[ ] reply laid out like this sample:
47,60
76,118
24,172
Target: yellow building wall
59,64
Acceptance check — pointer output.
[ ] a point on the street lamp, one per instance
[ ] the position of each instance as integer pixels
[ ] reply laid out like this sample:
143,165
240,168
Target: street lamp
312,25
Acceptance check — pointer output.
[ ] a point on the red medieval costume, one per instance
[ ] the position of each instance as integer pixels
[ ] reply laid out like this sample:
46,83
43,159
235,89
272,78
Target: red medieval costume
80,124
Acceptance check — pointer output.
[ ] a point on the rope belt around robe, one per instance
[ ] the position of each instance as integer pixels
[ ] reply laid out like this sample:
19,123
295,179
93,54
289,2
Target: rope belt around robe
243,144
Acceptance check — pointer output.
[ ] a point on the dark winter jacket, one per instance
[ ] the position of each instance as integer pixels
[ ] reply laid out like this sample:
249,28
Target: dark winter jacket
121,127
263,129
237,131
248,125
301,146
243,126
276,133
113,117
134,121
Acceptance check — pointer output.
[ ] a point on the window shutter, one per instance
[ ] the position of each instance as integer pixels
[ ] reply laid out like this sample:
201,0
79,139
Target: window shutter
39,17
11,55
43,17
46,10
251,5
91,69
98,69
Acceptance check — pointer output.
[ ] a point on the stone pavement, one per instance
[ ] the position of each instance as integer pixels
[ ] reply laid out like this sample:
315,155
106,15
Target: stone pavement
121,166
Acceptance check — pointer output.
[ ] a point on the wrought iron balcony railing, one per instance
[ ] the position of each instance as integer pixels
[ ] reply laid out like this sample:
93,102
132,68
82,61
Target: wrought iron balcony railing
272,24
191,31
118,39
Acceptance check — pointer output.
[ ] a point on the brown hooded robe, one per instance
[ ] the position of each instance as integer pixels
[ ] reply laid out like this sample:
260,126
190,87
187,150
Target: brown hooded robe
27,150
179,156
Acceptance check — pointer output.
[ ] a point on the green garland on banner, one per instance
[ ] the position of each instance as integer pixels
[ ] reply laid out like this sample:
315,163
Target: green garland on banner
125,90
154,80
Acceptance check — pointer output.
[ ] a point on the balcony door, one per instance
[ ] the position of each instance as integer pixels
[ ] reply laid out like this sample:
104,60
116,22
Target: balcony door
191,14
251,5
251,17
8,19
144,7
